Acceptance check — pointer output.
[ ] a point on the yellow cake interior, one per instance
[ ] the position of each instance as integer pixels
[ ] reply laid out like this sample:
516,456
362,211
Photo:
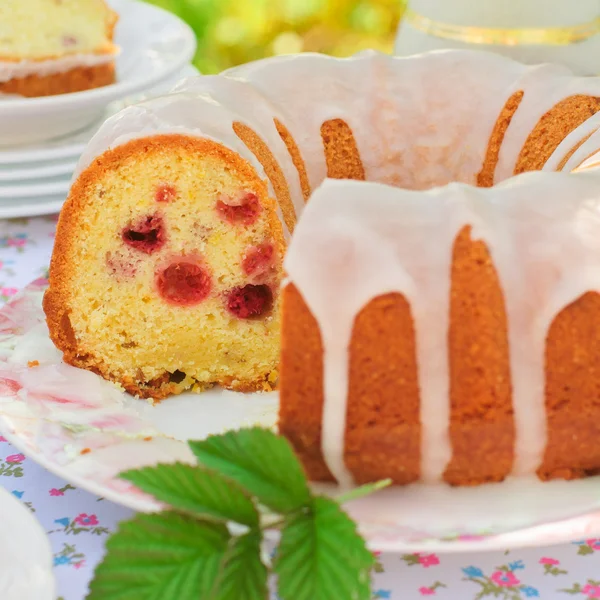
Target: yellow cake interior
118,282
46,29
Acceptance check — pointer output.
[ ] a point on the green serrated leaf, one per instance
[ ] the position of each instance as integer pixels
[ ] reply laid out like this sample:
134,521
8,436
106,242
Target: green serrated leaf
166,556
261,462
243,576
321,556
195,490
585,550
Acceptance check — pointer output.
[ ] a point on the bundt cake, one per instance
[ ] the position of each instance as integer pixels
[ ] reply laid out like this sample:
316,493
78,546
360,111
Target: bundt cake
55,47
413,322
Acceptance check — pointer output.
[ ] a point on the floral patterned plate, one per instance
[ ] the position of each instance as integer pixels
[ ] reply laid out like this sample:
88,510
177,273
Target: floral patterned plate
87,430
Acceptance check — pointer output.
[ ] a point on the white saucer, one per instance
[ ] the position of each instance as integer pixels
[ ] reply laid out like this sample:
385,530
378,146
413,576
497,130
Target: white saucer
154,44
25,554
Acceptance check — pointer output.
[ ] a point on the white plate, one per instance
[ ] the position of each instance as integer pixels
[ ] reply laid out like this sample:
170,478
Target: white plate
68,147
48,187
53,168
71,146
154,43
86,430
25,554
35,181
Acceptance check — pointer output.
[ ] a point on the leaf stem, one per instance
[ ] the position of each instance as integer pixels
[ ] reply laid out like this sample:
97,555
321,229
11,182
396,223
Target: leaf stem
363,490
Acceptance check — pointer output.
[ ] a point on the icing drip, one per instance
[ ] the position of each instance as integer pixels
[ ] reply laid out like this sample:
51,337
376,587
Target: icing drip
24,68
584,152
415,130
545,86
181,113
593,162
545,254
572,143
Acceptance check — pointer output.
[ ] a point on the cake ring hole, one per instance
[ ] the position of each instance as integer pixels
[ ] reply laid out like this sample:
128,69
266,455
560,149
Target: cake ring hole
242,209
250,301
183,283
146,235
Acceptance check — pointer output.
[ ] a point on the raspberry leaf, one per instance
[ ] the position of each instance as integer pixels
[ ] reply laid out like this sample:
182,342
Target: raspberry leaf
261,462
243,576
168,556
322,557
195,490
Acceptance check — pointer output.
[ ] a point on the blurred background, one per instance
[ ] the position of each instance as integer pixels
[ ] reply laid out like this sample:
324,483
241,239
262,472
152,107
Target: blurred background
231,32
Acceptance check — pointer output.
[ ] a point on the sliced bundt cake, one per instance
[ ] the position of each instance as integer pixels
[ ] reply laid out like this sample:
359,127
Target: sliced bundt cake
429,333
55,47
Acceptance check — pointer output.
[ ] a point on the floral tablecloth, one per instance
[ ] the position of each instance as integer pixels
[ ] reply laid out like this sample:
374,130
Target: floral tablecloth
78,523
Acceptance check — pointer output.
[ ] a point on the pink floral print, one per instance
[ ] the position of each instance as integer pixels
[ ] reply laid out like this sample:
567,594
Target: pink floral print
86,520
591,591
15,458
549,561
428,560
504,578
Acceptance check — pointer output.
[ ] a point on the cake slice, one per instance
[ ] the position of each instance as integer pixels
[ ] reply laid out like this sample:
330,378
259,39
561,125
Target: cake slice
165,270
50,47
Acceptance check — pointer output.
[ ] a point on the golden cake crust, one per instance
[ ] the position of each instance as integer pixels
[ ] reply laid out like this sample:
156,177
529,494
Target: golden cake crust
78,79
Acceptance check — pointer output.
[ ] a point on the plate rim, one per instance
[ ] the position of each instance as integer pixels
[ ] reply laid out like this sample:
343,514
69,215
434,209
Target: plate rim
38,155
49,205
37,171
34,189
566,528
525,535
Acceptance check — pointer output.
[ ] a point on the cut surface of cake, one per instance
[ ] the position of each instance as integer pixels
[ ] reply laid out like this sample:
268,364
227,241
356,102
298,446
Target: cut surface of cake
50,47
167,267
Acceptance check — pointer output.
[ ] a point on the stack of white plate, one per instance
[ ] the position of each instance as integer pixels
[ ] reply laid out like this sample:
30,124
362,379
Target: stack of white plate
35,180
41,139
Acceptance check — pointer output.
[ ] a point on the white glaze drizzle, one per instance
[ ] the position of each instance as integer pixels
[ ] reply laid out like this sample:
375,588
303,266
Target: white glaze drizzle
587,128
585,151
429,131
18,69
182,113
544,86
592,162
406,130
255,111
536,247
